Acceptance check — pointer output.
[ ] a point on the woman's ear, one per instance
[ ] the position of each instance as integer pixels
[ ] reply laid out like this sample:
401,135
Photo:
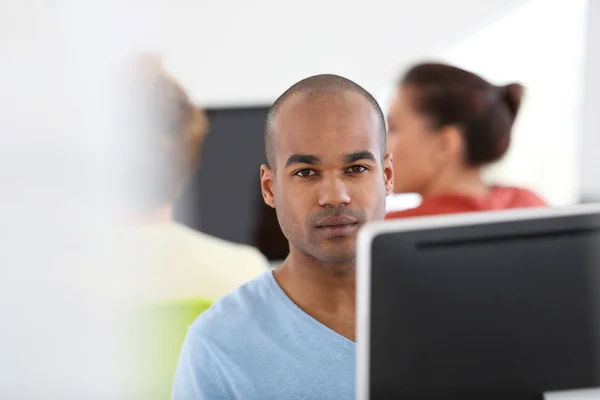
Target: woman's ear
450,144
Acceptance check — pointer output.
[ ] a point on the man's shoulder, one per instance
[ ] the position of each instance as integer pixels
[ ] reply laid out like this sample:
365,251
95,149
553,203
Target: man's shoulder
240,311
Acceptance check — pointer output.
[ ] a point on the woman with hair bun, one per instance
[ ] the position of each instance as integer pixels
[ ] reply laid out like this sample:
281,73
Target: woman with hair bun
444,125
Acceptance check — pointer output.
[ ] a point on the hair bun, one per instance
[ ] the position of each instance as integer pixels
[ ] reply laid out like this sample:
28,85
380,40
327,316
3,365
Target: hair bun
513,95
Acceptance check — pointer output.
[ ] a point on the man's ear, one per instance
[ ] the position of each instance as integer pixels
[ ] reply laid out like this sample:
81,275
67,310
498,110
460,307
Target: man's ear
388,173
267,183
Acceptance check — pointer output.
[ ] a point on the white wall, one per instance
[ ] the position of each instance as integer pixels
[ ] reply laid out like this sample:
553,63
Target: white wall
542,45
590,167
249,52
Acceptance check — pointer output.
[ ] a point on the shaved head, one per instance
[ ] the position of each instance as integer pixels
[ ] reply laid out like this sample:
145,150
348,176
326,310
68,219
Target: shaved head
318,87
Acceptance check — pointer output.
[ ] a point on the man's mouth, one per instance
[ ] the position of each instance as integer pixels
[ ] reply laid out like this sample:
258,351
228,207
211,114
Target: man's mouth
341,226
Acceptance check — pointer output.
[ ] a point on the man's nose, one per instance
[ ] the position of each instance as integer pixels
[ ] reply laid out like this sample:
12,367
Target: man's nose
333,192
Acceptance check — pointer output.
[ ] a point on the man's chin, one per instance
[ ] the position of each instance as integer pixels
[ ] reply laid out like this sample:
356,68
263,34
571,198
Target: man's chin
341,267
339,257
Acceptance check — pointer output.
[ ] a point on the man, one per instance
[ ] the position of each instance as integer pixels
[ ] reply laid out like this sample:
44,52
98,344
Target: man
289,334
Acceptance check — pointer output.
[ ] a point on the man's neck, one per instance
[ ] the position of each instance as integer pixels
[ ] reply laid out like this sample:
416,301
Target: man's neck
324,291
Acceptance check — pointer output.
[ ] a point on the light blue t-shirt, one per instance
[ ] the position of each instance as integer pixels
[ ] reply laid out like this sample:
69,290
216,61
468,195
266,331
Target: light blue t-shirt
257,344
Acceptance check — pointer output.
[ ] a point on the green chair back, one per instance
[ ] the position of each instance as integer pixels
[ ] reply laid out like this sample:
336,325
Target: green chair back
160,330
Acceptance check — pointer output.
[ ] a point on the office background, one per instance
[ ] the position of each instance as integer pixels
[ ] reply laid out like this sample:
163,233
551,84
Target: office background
235,58
542,43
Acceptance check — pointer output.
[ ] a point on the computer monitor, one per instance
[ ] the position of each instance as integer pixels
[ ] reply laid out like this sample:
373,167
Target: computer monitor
502,305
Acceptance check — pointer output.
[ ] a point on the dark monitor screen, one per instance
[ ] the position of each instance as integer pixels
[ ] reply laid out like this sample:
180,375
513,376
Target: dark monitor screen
493,306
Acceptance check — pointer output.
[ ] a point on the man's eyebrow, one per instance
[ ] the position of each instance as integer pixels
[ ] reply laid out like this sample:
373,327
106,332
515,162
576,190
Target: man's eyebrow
302,159
358,156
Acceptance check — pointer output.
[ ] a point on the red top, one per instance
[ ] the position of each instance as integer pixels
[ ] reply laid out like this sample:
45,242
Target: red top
499,198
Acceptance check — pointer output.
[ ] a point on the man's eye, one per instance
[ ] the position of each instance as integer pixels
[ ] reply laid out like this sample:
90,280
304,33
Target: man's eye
357,169
305,173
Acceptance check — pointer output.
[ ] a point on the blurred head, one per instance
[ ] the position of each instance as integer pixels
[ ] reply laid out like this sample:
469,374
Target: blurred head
164,133
327,171
445,119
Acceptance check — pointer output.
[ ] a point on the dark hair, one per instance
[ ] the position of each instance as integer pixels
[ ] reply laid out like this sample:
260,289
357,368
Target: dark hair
485,113
325,83
166,128
268,237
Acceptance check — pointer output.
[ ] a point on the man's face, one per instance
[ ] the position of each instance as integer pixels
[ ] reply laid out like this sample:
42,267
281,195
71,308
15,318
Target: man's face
328,177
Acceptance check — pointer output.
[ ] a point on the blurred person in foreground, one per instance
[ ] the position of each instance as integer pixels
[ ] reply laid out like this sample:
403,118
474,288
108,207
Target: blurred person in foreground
290,333
167,135
445,124
171,273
